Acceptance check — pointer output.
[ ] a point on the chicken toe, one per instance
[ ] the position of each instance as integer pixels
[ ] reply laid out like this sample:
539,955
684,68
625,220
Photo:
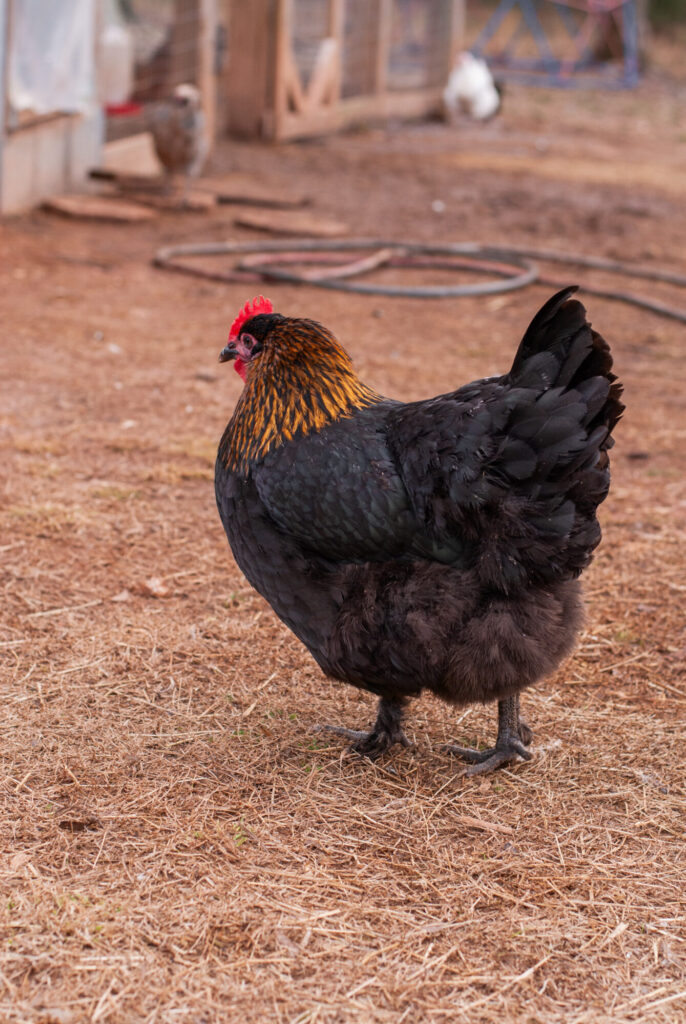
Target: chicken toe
514,736
525,733
386,733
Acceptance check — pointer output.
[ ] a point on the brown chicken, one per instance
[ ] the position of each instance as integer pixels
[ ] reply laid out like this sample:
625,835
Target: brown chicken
430,545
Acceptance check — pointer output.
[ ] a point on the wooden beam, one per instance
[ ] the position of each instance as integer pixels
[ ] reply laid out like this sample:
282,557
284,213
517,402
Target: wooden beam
360,109
284,62
207,80
336,19
324,85
337,32
457,30
250,74
383,42
295,96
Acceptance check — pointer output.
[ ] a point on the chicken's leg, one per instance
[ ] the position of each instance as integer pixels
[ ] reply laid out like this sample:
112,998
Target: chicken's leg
387,730
514,736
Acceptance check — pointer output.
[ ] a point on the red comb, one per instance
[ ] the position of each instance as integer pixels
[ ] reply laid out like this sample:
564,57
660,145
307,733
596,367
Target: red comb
254,306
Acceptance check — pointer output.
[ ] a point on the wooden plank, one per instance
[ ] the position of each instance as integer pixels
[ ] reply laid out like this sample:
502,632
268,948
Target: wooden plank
336,30
287,222
245,189
130,182
98,208
207,81
457,31
250,76
383,42
193,202
356,109
295,96
325,81
282,71
336,20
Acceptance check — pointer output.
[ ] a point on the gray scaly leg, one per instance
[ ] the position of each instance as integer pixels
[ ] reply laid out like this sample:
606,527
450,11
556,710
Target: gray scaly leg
514,736
386,732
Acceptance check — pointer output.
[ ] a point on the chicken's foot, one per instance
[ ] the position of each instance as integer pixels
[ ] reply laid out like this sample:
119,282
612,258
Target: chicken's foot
386,732
514,736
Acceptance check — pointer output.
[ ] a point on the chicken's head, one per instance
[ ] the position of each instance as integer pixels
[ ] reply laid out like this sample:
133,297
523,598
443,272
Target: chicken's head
187,95
248,332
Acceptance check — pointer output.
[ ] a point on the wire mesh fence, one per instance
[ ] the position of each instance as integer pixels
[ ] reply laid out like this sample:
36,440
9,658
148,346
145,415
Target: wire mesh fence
343,56
163,39
415,53
420,49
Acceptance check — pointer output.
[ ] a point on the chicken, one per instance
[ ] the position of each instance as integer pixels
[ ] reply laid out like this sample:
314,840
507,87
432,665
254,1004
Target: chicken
430,545
178,131
470,89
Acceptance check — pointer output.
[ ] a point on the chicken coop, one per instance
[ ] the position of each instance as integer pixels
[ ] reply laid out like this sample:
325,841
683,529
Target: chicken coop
75,88
307,67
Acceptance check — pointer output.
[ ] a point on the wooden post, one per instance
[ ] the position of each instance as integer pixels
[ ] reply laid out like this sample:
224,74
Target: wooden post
252,79
336,28
336,19
383,43
284,65
457,31
207,81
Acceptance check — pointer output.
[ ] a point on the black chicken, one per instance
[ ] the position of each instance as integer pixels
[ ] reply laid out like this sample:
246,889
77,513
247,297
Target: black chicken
430,545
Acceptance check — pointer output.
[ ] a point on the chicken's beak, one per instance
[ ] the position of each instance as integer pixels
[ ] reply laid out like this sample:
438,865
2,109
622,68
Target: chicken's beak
228,353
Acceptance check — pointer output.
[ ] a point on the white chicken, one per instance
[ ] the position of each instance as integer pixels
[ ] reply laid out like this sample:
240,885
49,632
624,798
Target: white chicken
471,89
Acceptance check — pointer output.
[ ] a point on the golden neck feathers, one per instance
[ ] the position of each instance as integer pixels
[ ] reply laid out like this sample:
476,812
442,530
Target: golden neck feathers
302,380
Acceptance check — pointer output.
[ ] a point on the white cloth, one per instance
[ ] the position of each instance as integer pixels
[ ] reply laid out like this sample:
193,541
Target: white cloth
52,60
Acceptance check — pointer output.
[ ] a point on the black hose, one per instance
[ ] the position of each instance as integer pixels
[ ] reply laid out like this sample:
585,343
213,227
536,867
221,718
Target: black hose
512,264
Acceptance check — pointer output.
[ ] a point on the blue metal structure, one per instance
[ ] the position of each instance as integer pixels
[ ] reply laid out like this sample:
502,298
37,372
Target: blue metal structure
566,61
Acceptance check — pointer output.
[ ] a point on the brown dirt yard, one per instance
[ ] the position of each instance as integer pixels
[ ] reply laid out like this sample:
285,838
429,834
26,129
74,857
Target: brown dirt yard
177,842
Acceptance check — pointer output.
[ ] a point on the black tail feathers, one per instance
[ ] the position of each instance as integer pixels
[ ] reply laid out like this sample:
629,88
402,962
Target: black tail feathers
560,349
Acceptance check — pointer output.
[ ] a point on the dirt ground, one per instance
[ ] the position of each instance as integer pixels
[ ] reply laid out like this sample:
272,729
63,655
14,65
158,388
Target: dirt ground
177,842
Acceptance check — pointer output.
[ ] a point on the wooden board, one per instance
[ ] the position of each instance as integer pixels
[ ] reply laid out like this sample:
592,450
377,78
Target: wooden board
194,202
130,182
153,192
290,222
99,208
241,188
404,104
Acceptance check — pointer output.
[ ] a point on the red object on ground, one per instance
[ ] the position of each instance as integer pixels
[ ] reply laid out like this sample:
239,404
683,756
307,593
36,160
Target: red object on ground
123,109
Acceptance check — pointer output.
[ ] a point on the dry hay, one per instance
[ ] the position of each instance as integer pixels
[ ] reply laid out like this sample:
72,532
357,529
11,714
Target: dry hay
181,843
177,843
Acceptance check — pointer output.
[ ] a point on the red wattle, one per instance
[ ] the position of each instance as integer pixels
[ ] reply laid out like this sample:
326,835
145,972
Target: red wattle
239,367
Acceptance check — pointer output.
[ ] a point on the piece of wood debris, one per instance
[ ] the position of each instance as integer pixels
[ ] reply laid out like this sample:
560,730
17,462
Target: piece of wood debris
101,208
288,222
244,190
129,182
153,190
194,202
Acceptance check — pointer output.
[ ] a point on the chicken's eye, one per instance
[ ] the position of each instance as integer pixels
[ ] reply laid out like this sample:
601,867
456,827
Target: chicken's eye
248,346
